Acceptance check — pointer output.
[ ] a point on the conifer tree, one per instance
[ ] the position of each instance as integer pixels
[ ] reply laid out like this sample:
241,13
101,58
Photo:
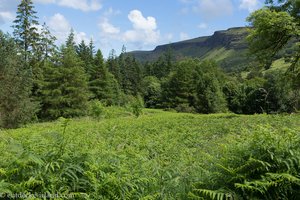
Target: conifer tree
25,29
210,98
16,106
131,76
179,88
70,43
113,66
46,52
47,43
102,83
85,54
91,48
66,89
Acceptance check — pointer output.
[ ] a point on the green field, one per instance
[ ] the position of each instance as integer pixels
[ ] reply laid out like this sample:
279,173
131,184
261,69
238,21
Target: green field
160,155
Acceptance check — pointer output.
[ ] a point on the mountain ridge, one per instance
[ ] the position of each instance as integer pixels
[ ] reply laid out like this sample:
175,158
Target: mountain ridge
228,48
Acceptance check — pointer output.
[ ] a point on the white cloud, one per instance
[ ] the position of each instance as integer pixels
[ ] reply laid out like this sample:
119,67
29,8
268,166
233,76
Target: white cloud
59,23
107,28
81,36
143,34
60,27
6,16
84,5
184,36
8,7
249,5
144,29
140,22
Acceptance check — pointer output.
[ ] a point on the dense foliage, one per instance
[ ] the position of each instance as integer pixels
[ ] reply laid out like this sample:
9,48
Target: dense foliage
119,150
16,106
160,155
61,81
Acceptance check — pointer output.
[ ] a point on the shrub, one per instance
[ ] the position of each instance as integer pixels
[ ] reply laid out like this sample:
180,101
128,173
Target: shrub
184,107
96,109
136,106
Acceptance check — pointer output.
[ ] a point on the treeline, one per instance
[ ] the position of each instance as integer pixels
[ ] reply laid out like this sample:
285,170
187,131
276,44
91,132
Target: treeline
40,81
201,86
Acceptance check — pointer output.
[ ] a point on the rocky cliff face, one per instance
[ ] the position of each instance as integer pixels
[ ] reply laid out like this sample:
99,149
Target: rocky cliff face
227,47
234,38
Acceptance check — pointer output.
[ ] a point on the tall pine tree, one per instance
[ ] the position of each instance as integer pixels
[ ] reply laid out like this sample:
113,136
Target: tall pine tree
25,29
113,66
102,83
66,90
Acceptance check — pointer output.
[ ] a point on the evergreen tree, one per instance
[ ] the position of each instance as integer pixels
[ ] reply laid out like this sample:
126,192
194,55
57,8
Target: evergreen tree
46,52
47,43
91,48
148,69
16,106
179,87
130,75
70,43
113,66
210,97
84,53
159,68
66,90
25,29
209,90
102,83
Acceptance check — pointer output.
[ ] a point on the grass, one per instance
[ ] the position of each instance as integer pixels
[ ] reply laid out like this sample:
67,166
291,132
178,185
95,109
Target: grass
279,64
160,155
219,54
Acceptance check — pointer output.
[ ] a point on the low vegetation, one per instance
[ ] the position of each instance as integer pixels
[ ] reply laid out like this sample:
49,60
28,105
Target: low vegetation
95,139
160,155
42,82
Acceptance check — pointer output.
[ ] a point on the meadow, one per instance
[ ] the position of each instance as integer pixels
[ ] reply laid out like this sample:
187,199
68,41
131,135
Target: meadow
159,155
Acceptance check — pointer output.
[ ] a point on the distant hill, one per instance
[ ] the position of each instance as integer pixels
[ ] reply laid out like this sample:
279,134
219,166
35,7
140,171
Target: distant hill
228,48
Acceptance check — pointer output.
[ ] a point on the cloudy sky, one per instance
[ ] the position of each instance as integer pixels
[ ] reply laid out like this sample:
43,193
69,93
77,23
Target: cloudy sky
138,24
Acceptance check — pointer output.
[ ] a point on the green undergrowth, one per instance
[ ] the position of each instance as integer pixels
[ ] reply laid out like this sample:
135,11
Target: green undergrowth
159,155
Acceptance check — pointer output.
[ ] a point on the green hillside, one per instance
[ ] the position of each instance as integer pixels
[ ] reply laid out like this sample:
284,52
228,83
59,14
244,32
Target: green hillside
161,155
228,48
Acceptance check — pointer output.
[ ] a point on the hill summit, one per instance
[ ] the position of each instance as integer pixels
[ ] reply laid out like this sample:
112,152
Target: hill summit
227,47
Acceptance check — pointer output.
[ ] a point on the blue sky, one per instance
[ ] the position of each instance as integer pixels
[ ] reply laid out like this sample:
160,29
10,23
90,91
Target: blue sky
138,24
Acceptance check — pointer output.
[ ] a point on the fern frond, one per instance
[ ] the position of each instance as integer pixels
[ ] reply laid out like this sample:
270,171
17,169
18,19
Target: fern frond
214,194
5,187
253,165
192,196
32,182
281,177
226,169
254,186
